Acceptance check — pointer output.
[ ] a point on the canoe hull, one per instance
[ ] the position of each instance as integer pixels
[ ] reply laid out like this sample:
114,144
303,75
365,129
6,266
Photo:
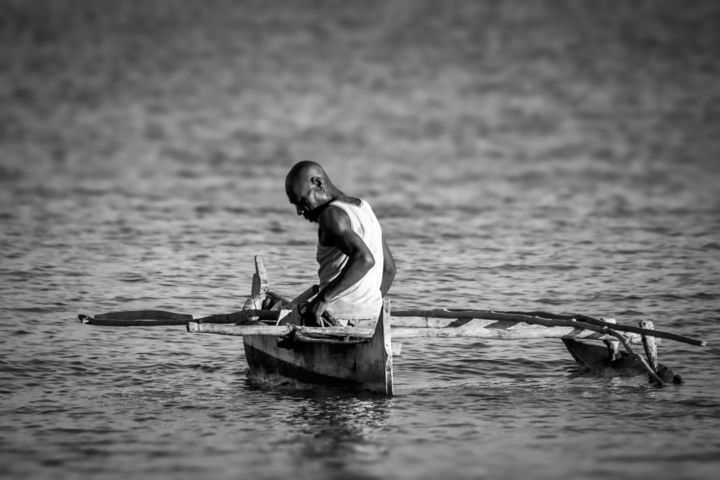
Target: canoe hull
365,365
596,359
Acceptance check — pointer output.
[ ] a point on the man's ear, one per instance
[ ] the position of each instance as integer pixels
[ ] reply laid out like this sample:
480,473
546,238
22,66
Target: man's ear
317,181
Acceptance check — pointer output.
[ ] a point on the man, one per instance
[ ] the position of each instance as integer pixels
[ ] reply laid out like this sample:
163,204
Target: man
356,267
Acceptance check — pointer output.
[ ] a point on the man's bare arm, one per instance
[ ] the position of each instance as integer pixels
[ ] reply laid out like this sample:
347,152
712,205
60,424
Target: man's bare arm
336,231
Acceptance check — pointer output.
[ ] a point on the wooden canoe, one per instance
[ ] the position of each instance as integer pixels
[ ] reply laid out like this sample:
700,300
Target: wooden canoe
362,363
359,357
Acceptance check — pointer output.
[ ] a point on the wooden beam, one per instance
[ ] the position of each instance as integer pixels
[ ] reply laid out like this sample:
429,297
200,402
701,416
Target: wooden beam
277,330
470,323
242,316
509,332
120,322
653,376
144,314
613,345
580,321
260,284
649,345
517,332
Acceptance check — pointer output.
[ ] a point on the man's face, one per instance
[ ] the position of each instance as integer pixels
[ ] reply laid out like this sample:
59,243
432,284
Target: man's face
304,197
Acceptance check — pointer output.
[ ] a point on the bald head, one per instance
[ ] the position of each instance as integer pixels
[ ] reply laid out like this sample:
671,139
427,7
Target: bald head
309,189
302,173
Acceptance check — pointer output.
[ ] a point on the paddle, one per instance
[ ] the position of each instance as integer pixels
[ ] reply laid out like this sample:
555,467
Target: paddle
136,318
157,318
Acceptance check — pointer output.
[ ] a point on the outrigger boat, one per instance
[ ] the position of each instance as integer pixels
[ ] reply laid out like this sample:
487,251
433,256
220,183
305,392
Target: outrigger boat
275,353
362,356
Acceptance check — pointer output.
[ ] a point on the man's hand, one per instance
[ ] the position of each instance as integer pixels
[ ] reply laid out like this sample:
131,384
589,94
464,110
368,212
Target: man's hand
317,311
316,308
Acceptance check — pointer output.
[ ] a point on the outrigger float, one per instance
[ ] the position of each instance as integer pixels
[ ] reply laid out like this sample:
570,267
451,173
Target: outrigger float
362,356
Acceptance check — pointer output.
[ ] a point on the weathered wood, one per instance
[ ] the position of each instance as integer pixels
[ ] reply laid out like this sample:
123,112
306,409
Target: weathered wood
605,329
119,322
155,318
649,345
360,356
145,318
278,330
260,288
505,321
144,314
418,327
383,345
502,331
352,356
658,381
619,327
519,332
136,318
613,346
262,278
240,317
580,321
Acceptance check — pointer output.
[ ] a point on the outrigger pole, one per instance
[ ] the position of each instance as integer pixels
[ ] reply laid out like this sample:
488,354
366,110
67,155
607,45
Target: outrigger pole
443,323
534,318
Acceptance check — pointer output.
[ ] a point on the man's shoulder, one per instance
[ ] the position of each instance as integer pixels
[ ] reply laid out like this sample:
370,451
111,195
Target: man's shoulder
332,213
354,201
334,218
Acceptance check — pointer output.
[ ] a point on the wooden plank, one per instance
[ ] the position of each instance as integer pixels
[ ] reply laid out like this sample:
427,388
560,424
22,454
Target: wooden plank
499,329
260,287
612,345
144,315
426,322
242,316
579,321
383,335
423,322
277,330
510,332
136,318
516,333
649,345
119,322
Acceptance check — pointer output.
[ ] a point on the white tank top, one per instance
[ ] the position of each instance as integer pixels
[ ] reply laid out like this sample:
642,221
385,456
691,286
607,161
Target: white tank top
363,300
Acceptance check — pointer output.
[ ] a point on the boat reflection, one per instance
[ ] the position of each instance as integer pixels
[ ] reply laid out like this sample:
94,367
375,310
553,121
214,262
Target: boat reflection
337,428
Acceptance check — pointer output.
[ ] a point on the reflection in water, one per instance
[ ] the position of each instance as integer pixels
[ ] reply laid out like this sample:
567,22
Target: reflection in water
339,429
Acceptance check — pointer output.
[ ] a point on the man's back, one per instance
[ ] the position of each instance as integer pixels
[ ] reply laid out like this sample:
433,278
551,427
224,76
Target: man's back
363,300
352,252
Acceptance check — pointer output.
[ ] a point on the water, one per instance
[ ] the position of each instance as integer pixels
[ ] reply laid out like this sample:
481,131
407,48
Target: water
556,158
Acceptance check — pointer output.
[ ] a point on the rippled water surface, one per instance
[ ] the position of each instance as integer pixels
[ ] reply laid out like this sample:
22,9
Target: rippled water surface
519,157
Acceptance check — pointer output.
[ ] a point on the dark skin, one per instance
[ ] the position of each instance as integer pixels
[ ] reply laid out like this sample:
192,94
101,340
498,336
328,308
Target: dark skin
310,190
